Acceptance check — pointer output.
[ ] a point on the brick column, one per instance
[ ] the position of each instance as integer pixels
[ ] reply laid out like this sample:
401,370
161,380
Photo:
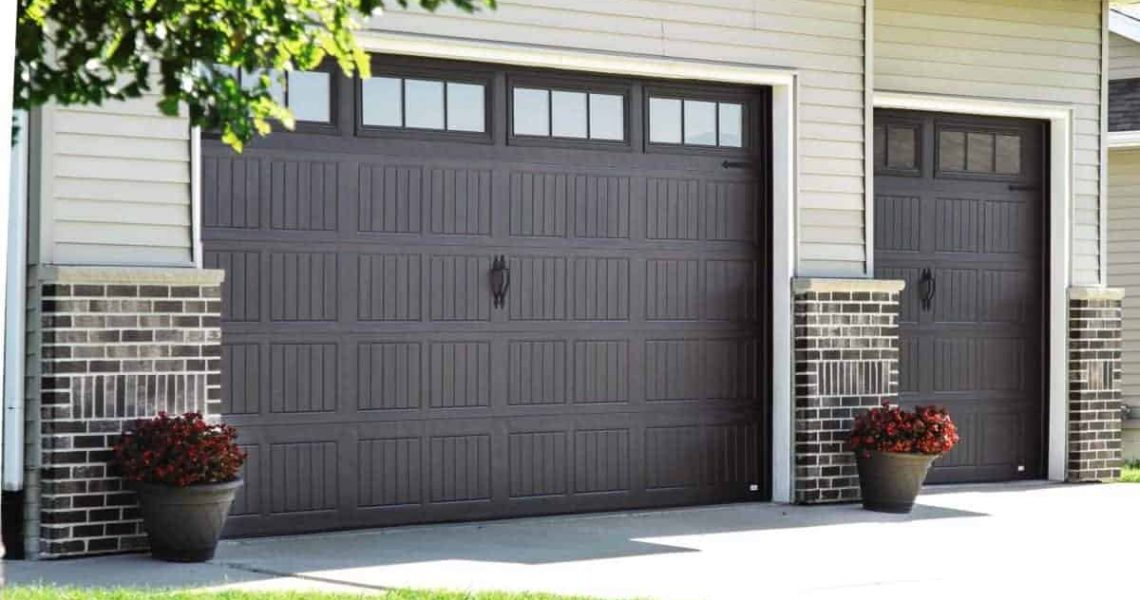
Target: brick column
846,360
1095,407
116,345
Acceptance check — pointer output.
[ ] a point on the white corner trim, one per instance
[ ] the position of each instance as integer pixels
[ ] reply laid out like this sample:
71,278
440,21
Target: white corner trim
196,196
1060,118
869,138
1123,139
785,127
1124,25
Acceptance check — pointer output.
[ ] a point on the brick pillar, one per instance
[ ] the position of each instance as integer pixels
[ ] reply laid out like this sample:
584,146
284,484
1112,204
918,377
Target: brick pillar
846,360
1095,407
116,345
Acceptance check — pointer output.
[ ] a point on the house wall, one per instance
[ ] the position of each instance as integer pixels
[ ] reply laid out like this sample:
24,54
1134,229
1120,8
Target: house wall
823,40
1027,50
1124,272
114,186
1123,57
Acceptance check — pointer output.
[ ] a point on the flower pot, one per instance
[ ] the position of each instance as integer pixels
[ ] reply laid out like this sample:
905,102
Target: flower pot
890,481
183,524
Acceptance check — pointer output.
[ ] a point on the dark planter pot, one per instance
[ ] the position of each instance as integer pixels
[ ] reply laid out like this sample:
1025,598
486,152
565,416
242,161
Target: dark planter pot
890,481
183,524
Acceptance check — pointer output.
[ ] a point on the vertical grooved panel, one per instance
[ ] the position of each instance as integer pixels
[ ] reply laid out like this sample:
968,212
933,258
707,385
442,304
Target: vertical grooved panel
672,209
388,375
241,289
302,195
537,464
730,290
459,201
538,289
303,286
389,472
302,477
537,372
601,371
390,199
672,457
303,377
601,461
730,211
601,289
459,288
673,370
241,379
672,289
460,375
601,206
461,468
389,287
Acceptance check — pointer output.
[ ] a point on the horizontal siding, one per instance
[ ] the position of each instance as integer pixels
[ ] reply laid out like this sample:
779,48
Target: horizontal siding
824,40
1123,58
1013,50
1124,256
118,177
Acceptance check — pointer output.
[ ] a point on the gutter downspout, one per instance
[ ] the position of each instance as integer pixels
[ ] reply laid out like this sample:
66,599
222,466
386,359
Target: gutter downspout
12,419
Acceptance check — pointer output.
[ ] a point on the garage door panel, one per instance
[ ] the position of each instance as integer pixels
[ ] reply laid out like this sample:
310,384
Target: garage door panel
376,382
976,346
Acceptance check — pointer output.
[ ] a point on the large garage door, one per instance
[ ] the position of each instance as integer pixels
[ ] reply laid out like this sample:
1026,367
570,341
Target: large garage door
459,292
959,215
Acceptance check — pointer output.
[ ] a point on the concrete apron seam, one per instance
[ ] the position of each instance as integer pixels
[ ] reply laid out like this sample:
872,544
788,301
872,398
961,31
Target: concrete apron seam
314,578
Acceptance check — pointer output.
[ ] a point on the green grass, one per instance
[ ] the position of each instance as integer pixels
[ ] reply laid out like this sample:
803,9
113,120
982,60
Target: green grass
56,593
1131,472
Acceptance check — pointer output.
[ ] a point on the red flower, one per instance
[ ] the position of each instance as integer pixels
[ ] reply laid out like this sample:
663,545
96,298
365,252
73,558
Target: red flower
927,430
179,451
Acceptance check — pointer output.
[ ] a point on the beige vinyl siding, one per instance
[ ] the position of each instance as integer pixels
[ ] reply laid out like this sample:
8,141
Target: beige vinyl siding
1037,50
1123,58
822,39
1124,257
116,185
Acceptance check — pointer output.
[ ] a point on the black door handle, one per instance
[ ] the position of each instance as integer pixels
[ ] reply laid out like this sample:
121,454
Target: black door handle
928,286
500,280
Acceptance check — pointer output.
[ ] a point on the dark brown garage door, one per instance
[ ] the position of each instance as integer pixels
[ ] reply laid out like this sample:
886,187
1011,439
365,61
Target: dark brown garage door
375,376
959,215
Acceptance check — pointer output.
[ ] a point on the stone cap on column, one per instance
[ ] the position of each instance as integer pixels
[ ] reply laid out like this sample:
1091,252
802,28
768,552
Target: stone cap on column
801,285
1096,293
132,275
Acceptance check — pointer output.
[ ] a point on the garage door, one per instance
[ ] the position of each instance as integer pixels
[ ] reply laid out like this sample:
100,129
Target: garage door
463,292
959,216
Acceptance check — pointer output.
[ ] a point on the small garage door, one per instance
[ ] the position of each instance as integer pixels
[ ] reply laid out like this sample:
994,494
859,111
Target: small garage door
960,215
462,292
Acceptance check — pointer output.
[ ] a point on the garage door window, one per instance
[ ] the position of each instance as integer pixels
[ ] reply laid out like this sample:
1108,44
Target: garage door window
568,114
306,93
412,103
696,122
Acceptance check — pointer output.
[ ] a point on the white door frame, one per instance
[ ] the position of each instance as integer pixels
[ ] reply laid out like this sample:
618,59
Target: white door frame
784,84
1060,118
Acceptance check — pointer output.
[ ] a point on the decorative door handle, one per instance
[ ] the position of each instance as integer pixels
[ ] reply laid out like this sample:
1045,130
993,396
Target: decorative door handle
928,287
500,280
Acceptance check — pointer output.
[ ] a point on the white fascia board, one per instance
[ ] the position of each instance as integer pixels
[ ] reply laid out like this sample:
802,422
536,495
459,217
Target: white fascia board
1124,139
1124,25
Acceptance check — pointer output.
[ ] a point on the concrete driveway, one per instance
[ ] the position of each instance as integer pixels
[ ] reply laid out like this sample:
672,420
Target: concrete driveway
961,542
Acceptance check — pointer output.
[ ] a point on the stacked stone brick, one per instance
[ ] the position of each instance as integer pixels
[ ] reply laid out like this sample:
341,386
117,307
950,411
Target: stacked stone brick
113,352
846,360
1095,405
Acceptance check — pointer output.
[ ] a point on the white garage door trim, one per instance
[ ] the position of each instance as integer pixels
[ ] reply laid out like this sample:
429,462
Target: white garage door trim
1060,118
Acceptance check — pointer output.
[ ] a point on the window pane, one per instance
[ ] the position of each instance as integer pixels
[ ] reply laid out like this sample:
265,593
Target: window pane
465,107
901,147
568,114
980,152
700,123
381,104
607,117
731,125
532,112
664,121
309,95
1008,156
424,104
952,151
249,81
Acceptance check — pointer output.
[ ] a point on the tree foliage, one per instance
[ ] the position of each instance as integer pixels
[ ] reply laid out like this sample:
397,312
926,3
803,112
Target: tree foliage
189,52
